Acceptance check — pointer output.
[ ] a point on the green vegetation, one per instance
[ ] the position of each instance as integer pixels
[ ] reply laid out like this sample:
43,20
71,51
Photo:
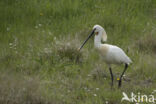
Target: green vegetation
39,62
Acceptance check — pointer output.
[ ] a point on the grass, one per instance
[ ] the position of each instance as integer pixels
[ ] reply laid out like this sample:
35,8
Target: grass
39,61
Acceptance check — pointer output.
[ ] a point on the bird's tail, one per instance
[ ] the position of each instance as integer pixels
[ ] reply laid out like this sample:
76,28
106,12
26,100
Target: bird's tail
129,61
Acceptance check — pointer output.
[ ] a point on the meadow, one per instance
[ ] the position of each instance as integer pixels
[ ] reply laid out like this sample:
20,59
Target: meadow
39,61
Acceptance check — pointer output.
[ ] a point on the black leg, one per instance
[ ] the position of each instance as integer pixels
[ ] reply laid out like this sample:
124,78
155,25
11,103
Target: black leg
111,76
120,80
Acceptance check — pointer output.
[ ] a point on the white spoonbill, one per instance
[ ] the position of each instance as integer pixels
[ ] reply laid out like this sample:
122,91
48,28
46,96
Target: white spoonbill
111,54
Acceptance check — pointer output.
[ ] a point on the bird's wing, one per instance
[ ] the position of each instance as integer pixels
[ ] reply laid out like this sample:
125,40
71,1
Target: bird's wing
120,55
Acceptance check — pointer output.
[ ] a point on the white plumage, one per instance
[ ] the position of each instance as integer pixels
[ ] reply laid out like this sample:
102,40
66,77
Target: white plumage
111,54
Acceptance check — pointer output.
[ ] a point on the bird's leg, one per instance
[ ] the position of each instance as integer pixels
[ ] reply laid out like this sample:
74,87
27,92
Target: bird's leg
120,80
111,76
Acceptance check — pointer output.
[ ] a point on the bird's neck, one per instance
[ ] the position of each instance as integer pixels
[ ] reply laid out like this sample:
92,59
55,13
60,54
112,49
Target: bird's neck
97,40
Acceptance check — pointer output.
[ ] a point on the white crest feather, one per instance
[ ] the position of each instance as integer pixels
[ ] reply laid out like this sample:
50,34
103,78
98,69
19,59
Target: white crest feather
104,36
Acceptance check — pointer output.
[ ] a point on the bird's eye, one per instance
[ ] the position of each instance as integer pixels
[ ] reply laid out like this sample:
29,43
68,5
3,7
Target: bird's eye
96,33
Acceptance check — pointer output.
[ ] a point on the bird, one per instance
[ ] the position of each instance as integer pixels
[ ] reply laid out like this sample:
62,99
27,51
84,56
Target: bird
110,54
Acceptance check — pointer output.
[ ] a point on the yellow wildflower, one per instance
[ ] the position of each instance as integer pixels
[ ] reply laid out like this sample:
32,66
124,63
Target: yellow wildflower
41,14
118,79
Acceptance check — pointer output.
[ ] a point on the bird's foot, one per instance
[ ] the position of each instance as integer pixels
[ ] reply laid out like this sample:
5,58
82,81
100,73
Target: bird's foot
119,83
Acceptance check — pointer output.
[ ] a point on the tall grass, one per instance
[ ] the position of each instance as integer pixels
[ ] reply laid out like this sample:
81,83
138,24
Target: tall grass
39,41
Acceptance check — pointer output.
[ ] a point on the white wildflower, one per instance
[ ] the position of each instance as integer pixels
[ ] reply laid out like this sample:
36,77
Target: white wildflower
39,25
36,27
10,44
8,29
94,94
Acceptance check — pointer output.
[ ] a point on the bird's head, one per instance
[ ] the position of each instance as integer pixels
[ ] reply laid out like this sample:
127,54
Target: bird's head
99,32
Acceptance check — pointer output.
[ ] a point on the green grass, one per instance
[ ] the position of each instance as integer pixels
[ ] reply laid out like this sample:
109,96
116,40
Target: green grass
39,62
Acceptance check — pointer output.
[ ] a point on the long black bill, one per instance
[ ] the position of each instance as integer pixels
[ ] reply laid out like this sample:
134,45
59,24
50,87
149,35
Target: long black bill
86,39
